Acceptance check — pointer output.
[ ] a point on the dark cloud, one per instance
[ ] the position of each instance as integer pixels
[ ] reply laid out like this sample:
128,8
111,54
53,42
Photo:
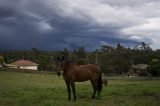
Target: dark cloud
58,24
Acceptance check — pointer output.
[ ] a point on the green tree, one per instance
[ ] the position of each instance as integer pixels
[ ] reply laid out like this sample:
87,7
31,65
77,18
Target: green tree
115,61
143,46
154,67
90,58
81,55
1,60
106,48
66,54
142,53
35,53
73,57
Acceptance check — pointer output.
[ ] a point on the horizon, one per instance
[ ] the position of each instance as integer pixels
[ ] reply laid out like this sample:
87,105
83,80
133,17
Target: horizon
114,47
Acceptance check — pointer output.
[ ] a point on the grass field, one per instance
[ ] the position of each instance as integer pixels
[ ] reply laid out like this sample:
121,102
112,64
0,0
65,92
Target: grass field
47,89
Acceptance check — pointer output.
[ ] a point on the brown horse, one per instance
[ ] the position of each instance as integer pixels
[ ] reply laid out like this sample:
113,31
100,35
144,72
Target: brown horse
73,73
105,82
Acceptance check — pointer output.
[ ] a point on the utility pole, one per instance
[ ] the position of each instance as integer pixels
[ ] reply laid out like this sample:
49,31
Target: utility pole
96,58
97,61
52,63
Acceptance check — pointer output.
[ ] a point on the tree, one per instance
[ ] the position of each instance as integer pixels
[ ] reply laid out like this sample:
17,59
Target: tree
154,67
142,52
119,46
116,60
81,55
1,60
143,47
73,57
91,58
35,53
106,48
66,54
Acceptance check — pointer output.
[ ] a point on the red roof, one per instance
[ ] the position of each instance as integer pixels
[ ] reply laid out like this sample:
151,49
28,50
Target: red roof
24,63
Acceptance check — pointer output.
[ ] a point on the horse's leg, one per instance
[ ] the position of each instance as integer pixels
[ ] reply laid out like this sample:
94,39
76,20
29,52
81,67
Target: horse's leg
74,90
69,90
99,84
94,84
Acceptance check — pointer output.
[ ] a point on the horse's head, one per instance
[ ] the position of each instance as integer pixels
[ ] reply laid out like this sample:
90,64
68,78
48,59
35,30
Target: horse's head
59,65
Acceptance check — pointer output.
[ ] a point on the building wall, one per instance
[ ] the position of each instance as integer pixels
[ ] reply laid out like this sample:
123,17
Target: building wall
13,67
29,67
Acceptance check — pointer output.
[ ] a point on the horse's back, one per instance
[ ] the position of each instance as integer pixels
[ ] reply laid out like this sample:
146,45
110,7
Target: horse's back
89,67
82,74
94,68
86,72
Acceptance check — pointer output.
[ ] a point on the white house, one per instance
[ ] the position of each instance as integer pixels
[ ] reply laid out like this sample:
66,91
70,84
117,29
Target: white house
0,66
24,64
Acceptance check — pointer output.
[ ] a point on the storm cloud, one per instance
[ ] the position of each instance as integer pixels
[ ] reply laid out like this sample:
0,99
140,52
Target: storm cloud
58,24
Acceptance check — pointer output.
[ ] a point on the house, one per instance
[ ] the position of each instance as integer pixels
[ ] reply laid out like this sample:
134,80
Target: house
10,66
0,66
139,69
23,64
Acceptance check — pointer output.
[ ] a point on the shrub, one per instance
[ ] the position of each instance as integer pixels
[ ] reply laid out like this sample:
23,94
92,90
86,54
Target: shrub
154,67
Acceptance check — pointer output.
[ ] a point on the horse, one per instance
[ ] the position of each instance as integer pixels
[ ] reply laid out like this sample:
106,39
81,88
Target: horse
78,73
105,82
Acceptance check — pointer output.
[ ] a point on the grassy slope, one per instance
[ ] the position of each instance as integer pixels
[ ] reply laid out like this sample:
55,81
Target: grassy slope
42,89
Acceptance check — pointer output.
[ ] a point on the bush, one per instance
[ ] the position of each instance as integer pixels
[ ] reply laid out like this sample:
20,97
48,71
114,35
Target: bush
154,67
1,60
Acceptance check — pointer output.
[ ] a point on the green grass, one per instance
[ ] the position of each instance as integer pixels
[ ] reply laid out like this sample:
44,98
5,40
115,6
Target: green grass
47,89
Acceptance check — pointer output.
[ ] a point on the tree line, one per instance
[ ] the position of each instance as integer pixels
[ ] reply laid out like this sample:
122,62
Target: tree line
112,60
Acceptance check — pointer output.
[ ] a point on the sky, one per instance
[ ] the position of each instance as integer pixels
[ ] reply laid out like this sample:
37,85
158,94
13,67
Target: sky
59,24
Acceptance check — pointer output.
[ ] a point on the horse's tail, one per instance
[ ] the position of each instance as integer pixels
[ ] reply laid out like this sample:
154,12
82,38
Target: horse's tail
100,84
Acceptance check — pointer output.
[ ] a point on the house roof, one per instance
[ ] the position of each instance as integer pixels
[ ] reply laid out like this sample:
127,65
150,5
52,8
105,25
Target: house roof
140,66
24,63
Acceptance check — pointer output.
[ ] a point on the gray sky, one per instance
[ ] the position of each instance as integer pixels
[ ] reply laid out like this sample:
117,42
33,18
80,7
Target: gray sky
58,24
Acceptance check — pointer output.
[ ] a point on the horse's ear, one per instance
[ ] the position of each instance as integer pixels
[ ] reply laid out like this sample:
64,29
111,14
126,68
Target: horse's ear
63,58
57,58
